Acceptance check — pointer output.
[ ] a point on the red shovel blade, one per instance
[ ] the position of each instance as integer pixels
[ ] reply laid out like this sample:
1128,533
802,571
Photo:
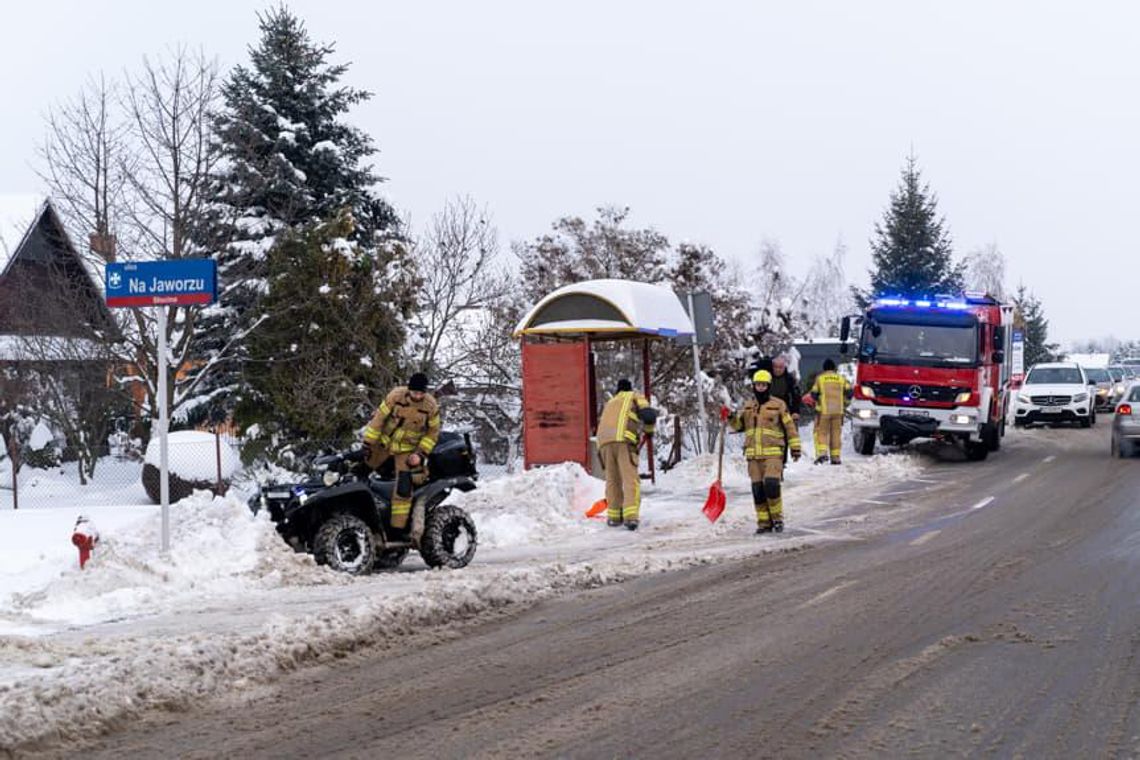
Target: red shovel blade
714,504
598,507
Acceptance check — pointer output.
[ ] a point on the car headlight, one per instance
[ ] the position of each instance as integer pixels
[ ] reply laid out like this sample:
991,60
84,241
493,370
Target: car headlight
1023,398
1081,397
1119,389
963,397
331,477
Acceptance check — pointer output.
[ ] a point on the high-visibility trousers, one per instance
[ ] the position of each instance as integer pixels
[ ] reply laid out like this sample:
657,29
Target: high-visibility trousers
828,436
766,474
406,478
623,484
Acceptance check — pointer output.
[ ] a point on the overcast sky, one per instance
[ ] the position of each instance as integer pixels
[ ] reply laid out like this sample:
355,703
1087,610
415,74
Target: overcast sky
721,123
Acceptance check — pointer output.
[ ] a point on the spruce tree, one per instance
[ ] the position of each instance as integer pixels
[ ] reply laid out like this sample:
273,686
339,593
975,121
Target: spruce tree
329,340
1030,314
911,249
288,162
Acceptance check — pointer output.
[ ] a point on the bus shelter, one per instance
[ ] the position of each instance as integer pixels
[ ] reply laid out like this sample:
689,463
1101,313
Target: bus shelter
560,335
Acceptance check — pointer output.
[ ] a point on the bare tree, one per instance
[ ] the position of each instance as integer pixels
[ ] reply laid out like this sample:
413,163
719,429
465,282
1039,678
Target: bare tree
133,162
457,261
85,161
985,270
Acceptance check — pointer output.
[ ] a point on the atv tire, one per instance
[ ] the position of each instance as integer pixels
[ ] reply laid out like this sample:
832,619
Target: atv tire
344,543
390,559
448,539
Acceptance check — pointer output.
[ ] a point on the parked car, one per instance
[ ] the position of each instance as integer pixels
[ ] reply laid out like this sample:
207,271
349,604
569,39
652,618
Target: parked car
1104,394
1055,392
1126,423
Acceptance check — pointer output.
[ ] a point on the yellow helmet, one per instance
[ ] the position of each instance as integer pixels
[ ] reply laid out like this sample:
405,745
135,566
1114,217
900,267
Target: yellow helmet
762,376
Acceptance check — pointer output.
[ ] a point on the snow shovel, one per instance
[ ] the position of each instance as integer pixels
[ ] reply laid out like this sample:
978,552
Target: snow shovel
714,504
599,506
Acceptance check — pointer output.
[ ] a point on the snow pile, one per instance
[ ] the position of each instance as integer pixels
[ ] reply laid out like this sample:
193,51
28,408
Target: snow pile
218,550
193,455
533,507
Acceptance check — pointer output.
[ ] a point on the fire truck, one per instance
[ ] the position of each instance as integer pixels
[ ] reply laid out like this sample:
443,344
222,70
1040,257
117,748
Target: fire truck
931,368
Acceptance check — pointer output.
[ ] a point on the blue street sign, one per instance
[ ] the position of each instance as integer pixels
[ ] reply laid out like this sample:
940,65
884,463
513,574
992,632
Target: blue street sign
175,282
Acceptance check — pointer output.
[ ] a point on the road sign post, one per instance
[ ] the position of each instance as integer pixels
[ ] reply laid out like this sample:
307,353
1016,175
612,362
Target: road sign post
161,284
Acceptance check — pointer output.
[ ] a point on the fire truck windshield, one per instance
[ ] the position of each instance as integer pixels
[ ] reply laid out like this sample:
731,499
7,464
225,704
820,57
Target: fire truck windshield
907,339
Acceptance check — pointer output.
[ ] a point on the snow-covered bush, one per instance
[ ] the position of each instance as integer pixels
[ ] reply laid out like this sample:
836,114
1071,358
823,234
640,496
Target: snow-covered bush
193,462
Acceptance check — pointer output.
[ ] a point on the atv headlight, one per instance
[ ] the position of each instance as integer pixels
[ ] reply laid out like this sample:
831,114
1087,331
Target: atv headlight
331,477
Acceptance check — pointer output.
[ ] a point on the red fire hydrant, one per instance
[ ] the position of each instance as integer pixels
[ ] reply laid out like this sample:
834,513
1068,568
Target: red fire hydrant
85,536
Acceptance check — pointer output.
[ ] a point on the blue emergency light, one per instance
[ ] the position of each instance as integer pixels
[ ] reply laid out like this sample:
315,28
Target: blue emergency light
922,303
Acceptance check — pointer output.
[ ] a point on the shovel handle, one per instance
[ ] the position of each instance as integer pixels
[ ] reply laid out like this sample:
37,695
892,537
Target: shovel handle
720,456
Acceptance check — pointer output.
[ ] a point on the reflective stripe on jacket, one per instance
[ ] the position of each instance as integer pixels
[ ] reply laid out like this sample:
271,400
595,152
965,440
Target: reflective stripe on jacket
832,392
403,425
620,420
767,428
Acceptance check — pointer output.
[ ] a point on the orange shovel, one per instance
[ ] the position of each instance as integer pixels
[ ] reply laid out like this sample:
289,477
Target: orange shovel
599,506
714,504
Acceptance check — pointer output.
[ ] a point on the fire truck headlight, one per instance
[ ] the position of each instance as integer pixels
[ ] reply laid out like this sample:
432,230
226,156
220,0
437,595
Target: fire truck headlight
962,419
867,391
963,397
866,414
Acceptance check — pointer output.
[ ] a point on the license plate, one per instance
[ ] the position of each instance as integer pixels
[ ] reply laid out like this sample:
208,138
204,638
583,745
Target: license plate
914,413
1050,410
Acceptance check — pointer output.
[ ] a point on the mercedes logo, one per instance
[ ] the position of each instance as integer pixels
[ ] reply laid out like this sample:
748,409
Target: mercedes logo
915,391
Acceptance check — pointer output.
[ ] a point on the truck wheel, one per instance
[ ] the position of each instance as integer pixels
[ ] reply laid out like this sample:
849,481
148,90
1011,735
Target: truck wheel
977,451
449,538
344,543
864,441
390,559
991,436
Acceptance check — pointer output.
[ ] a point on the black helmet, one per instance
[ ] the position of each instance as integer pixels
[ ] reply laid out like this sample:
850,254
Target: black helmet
418,382
624,385
828,365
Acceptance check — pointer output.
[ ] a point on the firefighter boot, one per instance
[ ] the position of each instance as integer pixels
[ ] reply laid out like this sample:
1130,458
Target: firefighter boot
777,526
612,523
631,524
822,459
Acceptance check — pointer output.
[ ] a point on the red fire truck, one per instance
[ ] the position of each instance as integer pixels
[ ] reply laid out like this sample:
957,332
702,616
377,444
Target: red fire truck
932,368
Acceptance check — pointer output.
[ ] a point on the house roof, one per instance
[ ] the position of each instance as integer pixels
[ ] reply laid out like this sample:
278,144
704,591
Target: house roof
609,308
18,214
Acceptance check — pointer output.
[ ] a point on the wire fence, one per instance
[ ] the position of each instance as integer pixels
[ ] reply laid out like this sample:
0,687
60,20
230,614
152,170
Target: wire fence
122,474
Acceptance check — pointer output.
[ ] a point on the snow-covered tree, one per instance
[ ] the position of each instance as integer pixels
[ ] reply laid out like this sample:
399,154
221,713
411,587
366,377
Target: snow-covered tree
911,250
1029,312
327,347
985,270
288,161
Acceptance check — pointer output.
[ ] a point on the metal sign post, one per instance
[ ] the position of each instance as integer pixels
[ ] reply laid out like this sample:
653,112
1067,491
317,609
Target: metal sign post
700,385
159,284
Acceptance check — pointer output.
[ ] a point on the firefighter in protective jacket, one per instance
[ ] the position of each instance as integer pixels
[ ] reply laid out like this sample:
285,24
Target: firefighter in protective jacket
618,437
768,431
405,428
831,392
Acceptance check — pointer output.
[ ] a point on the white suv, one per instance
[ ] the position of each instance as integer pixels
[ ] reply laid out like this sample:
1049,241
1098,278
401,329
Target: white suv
1057,392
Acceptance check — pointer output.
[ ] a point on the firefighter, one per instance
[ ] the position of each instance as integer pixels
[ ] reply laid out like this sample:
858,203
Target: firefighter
769,431
404,428
617,435
831,392
785,386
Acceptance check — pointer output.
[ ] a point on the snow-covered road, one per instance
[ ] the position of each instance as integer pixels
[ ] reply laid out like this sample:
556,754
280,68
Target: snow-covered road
233,607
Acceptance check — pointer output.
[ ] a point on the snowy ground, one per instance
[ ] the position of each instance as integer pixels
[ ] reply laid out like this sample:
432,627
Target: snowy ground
232,607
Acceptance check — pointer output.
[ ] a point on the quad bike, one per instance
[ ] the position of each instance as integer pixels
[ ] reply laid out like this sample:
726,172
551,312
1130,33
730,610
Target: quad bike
342,515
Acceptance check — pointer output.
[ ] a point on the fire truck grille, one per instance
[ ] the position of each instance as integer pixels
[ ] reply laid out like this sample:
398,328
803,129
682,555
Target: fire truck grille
939,394
1050,400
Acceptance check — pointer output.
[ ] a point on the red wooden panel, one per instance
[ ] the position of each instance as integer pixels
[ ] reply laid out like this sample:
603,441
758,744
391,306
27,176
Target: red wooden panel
556,417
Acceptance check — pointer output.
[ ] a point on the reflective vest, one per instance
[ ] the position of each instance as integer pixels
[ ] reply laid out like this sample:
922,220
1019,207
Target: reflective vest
403,425
768,428
620,421
831,391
